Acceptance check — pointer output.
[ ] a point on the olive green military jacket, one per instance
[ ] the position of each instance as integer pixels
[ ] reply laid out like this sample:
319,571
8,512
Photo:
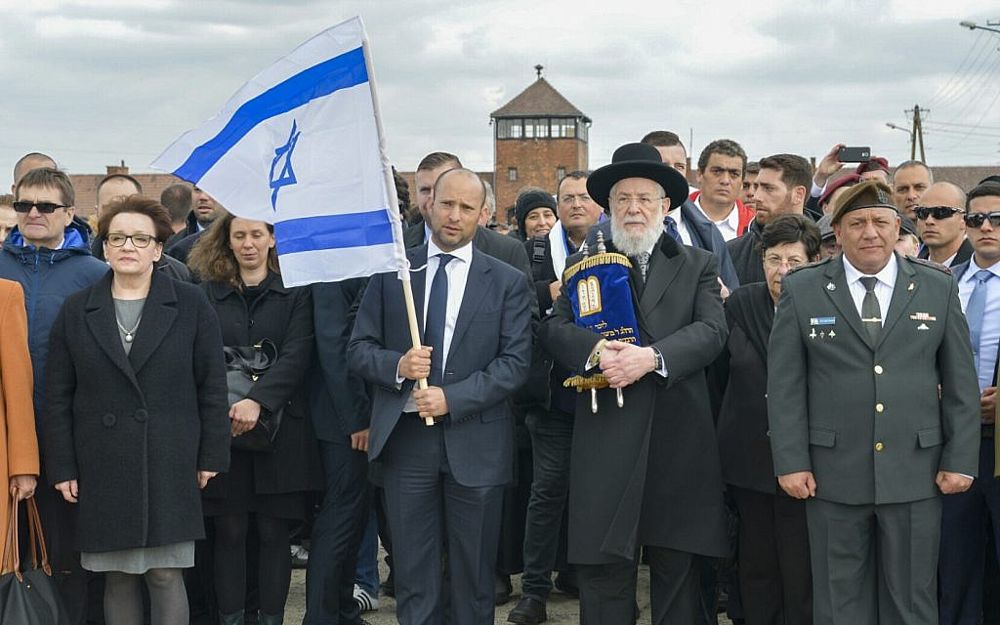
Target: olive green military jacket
873,422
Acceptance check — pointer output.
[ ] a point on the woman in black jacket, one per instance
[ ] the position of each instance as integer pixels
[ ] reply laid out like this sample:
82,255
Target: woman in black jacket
773,544
136,416
238,265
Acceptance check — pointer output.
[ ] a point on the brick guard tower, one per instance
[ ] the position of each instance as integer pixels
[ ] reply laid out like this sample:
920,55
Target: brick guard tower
538,137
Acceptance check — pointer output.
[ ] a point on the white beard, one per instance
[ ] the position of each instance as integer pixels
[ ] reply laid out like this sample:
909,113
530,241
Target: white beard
634,244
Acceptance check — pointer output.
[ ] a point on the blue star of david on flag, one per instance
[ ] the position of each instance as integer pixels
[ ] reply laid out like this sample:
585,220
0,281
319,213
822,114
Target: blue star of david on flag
287,175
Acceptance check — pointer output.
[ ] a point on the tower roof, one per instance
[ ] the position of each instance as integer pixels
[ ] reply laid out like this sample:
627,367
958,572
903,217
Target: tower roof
540,99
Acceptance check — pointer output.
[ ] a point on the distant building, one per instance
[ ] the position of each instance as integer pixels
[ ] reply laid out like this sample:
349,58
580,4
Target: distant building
85,186
538,137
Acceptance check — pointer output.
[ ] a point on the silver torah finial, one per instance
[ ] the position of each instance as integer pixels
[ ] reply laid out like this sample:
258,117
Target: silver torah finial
585,250
600,243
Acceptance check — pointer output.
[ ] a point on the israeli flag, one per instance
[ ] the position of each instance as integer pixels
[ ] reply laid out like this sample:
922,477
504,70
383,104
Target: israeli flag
300,146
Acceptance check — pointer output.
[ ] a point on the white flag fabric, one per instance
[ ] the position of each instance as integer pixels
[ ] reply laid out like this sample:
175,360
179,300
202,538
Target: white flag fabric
300,146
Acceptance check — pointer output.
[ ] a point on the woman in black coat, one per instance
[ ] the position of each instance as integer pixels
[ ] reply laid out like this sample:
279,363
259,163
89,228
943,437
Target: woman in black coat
238,265
136,416
773,543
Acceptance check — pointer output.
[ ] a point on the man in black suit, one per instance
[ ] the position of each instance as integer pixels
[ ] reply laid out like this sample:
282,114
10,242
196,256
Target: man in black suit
476,351
647,474
339,413
941,226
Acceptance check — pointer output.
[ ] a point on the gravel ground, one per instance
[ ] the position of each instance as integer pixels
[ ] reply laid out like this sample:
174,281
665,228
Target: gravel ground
562,609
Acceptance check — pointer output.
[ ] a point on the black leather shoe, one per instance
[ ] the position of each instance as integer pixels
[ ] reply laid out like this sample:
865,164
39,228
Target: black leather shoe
528,611
502,588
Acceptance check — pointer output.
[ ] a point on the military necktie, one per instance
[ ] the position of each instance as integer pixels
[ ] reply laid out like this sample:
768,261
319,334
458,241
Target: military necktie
671,227
871,314
975,310
437,311
643,259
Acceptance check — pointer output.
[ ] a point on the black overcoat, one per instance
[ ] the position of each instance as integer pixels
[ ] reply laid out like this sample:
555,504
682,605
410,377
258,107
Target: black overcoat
134,430
283,315
648,473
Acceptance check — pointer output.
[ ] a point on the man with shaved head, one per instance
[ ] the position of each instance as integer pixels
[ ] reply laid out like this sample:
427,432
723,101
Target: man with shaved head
445,452
909,182
31,160
941,226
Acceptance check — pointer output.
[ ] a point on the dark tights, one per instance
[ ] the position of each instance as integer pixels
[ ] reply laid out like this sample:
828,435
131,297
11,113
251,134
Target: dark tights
167,600
274,568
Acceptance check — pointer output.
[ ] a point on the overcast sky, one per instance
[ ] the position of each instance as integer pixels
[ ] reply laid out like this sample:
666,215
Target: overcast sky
94,82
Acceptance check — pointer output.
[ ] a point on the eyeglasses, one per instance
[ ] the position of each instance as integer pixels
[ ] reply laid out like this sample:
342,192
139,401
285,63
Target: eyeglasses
773,262
645,201
46,208
118,239
976,220
937,212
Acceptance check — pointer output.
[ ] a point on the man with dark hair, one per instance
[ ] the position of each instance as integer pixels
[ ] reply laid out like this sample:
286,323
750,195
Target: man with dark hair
206,210
551,427
753,168
875,415
429,169
941,225
444,484
177,200
969,519
909,182
780,188
670,147
48,254
721,171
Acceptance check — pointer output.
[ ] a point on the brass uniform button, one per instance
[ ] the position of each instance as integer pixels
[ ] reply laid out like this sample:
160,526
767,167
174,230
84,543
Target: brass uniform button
878,369
879,446
879,407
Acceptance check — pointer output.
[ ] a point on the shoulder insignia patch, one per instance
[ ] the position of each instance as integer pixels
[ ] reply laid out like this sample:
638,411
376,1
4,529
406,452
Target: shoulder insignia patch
928,263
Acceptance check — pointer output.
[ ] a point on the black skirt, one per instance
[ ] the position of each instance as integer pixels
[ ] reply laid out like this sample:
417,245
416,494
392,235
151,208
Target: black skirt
241,498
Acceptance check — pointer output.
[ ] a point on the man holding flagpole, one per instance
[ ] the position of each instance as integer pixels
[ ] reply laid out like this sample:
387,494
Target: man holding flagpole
476,351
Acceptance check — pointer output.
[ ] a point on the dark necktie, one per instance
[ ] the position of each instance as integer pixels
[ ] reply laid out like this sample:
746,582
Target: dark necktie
671,227
975,310
437,311
642,259
871,314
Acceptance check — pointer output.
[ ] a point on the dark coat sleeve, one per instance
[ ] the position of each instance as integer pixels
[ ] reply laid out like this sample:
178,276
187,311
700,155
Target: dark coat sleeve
335,307
210,379
787,393
959,393
56,420
289,369
366,352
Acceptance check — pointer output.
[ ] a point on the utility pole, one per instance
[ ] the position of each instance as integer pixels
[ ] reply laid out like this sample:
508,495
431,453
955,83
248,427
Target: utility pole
917,135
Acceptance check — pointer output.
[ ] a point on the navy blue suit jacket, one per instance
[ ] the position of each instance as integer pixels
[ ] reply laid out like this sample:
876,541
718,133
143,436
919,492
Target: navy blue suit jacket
489,358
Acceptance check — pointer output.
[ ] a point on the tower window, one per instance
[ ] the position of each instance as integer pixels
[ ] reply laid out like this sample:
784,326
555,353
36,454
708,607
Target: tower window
560,173
512,174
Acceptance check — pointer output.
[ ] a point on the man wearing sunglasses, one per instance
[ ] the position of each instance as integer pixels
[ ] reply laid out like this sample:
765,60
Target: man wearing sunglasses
940,225
48,253
968,517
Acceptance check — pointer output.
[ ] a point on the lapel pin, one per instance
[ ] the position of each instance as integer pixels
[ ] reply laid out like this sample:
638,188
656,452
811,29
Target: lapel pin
832,334
831,286
822,334
911,287
812,334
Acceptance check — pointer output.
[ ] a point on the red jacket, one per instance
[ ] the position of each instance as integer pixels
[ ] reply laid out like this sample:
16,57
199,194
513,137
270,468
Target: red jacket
745,212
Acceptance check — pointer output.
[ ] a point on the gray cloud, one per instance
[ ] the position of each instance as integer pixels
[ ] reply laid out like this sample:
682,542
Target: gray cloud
95,82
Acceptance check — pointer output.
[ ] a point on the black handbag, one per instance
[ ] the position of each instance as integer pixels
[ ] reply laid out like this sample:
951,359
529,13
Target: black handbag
29,597
244,366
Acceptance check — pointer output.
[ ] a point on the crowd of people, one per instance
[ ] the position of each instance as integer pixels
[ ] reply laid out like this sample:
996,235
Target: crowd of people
801,432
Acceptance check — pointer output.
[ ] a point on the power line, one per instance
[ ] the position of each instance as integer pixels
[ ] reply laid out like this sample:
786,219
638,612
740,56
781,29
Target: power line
939,95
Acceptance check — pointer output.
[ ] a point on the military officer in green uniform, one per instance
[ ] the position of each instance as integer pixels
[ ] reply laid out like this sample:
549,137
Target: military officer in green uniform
874,416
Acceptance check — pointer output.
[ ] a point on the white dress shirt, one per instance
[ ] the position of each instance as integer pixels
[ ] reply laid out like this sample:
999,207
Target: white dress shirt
729,226
990,335
682,228
457,271
883,288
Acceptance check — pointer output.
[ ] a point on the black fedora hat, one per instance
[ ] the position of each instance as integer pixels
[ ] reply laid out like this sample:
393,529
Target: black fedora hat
637,160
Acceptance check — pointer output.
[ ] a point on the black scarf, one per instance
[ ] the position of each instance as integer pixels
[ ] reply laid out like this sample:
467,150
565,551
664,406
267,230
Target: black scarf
752,309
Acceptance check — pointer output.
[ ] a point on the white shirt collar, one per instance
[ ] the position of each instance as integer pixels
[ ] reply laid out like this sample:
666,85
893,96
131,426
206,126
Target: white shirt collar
886,276
732,219
463,253
973,269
